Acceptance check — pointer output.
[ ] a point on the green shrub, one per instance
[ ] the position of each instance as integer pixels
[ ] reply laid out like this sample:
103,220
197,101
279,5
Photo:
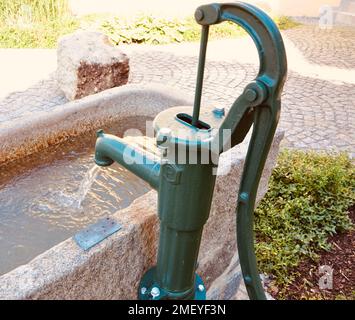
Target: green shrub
219,31
144,29
284,22
153,30
307,201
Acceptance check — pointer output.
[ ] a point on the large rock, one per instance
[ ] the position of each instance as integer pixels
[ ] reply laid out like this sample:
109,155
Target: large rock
88,63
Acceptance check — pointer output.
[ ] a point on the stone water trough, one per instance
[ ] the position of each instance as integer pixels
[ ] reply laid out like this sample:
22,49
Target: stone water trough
113,268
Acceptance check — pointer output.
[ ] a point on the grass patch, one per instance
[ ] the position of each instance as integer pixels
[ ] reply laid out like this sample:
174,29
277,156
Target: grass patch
15,12
38,35
307,201
34,23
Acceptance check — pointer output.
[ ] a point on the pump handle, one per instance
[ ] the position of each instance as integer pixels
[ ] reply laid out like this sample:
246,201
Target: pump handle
259,105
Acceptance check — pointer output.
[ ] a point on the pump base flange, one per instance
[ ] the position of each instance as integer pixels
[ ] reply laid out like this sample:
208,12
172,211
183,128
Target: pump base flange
149,289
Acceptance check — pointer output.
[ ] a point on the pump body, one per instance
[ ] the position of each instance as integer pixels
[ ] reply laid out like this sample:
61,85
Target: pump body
190,141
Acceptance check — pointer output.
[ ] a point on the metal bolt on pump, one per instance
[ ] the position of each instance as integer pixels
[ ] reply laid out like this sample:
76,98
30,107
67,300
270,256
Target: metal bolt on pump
185,188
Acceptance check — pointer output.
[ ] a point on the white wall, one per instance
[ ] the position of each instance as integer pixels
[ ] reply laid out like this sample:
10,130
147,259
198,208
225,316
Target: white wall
187,7
303,7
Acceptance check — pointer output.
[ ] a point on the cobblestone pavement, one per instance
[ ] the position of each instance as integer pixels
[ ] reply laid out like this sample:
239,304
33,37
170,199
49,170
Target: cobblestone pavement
331,47
41,97
316,114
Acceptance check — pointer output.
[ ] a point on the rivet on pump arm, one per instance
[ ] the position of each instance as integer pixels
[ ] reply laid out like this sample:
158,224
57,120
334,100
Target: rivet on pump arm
185,184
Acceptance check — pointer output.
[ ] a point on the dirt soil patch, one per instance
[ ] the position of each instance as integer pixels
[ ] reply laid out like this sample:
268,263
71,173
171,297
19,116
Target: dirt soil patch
341,259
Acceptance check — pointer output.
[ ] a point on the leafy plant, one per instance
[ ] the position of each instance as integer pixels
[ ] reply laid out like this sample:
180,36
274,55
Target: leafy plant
144,29
284,22
153,30
307,201
219,31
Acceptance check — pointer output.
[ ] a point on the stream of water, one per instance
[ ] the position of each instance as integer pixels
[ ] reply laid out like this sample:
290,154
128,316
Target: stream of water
86,184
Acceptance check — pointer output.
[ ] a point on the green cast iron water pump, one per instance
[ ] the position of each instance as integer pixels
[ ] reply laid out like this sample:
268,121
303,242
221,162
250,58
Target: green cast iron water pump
190,141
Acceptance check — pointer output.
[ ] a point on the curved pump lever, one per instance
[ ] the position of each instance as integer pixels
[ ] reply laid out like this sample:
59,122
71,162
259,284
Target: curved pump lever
258,105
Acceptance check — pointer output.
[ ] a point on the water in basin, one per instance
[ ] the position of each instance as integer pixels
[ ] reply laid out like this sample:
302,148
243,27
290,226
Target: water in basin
47,197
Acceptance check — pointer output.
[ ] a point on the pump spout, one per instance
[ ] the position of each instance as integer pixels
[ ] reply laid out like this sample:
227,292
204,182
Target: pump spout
110,149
